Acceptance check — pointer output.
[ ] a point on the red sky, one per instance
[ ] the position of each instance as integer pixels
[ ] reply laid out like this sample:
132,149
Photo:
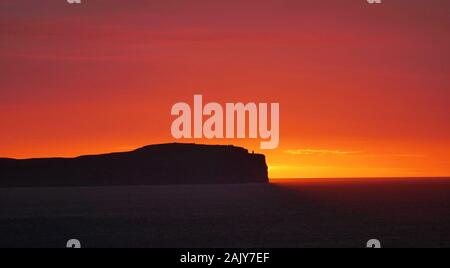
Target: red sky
364,89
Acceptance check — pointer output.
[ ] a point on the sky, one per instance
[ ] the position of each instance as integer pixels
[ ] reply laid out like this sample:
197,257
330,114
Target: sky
364,90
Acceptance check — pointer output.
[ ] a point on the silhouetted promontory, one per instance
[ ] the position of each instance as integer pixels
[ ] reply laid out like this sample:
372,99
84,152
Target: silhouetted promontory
163,164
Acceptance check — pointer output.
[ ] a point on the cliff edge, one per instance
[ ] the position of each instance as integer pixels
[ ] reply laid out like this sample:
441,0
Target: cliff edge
163,164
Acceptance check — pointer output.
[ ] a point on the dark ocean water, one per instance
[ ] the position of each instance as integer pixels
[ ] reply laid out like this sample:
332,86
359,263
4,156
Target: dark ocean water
286,213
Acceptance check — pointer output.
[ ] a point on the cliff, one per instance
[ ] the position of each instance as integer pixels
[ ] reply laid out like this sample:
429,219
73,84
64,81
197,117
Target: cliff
151,165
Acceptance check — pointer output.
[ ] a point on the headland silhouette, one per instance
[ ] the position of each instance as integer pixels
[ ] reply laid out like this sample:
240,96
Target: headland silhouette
163,164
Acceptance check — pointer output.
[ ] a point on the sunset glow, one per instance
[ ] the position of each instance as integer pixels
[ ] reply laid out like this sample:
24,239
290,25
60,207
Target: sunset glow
364,90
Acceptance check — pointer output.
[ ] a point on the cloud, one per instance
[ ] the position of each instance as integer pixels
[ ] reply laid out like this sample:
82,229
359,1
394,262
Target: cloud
341,152
320,152
406,155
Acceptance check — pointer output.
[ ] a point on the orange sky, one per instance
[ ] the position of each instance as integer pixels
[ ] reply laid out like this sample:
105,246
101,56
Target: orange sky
364,89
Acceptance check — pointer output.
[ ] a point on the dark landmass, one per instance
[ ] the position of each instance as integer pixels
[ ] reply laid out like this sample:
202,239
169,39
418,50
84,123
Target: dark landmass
151,165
